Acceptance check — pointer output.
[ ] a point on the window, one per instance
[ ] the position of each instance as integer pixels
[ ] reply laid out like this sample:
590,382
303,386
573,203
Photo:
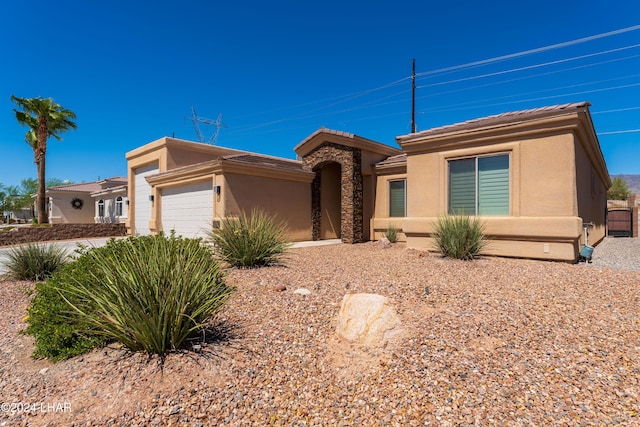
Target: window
397,198
479,185
119,206
101,208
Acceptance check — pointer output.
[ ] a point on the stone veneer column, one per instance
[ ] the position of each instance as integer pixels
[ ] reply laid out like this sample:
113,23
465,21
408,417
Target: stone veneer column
350,160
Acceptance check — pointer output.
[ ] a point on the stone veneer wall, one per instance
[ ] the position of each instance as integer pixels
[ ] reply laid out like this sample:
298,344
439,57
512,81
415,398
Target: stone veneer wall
350,160
60,232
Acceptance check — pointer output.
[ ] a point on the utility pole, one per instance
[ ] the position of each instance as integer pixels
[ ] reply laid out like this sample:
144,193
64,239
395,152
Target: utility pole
413,98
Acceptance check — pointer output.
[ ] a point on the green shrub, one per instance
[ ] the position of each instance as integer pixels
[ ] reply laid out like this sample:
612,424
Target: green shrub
392,233
150,293
59,333
459,237
34,262
250,240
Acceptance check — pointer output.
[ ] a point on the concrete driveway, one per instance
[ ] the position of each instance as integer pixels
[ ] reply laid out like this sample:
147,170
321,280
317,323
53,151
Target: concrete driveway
69,245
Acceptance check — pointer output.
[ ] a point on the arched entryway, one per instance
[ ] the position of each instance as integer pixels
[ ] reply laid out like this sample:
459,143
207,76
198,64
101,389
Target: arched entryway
336,192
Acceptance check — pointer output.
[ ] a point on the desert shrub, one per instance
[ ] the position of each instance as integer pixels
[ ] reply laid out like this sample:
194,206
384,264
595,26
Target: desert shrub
149,293
250,240
460,237
392,233
59,333
34,262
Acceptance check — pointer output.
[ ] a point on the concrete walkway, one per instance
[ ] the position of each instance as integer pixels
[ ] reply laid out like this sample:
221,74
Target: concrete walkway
71,245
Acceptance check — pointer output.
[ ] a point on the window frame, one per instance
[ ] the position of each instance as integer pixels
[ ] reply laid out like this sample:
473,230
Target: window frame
101,208
476,159
119,207
404,193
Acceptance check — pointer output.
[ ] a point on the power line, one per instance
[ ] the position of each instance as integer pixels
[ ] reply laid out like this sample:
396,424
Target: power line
309,114
529,67
530,51
615,132
531,76
535,99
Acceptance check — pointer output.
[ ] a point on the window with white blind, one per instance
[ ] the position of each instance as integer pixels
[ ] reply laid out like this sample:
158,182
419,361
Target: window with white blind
479,186
397,198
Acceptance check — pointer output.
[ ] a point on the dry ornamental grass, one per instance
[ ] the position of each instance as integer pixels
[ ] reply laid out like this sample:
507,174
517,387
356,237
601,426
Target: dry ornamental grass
494,342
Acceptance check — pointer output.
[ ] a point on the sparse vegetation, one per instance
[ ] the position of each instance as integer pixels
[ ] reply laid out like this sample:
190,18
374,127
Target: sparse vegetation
250,240
34,261
392,233
149,293
460,237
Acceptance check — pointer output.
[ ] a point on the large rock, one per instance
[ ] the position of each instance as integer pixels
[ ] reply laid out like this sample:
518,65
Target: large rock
368,319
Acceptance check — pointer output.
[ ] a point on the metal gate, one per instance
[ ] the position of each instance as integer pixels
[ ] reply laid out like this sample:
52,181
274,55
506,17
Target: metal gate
620,222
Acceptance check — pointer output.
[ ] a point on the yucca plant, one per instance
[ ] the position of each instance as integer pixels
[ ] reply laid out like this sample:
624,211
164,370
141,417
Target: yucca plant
392,233
252,240
149,293
34,261
460,237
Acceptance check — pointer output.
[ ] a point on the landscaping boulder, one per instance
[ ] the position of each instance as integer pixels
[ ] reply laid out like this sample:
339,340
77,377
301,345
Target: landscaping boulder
383,243
368,320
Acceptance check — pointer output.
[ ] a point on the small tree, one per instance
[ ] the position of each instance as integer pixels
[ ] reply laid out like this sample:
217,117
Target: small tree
44,118
619,190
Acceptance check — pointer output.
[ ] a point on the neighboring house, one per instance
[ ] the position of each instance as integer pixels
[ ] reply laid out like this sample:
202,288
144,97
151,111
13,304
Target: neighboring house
533,177
102,201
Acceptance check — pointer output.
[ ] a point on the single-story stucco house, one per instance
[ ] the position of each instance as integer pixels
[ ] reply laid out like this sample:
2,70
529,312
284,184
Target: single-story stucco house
103,201
534,177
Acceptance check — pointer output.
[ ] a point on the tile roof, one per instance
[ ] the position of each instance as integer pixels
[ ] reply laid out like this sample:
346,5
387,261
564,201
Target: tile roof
88,187
393,160
85,187
263,160
500,119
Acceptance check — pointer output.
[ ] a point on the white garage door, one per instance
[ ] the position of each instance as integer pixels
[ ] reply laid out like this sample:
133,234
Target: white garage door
142,191
188,209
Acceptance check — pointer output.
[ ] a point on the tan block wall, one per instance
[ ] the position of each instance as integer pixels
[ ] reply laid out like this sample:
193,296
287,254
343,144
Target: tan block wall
289,200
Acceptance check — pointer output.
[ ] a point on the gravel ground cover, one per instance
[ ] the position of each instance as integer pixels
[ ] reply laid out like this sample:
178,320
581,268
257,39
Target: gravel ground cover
618,252
489,342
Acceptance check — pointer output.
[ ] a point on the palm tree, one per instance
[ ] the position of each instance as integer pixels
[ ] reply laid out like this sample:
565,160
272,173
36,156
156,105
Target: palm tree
44,118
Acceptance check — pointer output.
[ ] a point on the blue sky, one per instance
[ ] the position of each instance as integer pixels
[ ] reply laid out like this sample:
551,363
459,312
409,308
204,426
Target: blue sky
279,70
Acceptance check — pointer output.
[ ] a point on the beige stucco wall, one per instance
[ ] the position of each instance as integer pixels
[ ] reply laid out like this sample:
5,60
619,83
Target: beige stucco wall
62,212
381,220
591,194
550,182
288,200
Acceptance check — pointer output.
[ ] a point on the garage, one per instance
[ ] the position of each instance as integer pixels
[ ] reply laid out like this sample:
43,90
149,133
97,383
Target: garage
142,204
188,209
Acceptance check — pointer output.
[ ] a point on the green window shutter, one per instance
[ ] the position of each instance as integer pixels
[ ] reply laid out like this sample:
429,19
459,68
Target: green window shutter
397,198
493,185
462,187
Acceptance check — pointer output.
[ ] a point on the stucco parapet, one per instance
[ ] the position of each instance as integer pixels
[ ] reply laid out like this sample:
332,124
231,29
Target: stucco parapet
499,120
169,143
220,166
565,124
